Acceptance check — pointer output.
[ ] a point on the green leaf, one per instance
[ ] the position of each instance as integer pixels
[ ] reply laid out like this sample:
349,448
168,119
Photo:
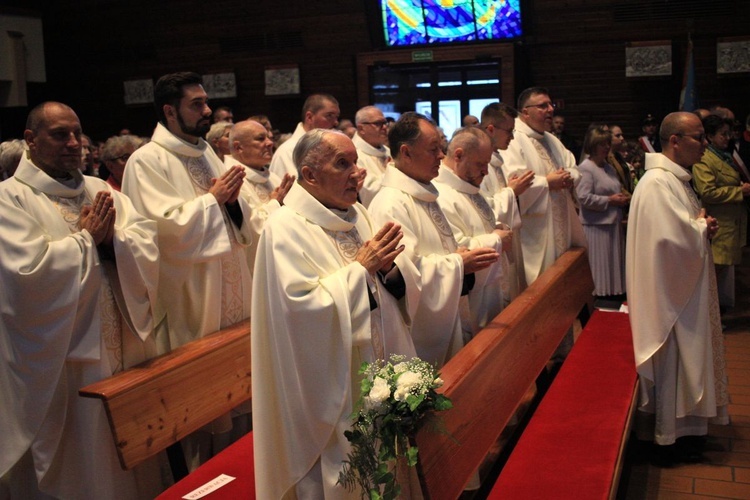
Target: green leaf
365,387
442,403
414,401
411,456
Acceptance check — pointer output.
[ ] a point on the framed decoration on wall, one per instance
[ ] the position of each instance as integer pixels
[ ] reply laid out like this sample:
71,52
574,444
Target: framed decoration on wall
220,85
282,80
138,91
648,58
733,55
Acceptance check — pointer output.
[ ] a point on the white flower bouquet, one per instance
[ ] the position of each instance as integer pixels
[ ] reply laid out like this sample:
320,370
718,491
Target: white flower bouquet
394,396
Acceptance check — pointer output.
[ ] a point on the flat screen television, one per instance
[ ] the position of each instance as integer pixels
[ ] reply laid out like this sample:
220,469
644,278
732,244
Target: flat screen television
425,22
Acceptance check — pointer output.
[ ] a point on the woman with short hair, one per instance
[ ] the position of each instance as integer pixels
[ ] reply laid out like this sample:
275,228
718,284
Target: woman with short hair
602,200
723,194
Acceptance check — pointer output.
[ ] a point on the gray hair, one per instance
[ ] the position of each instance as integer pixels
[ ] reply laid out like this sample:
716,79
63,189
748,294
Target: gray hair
313,149
112,147
216,131
10,154
363,114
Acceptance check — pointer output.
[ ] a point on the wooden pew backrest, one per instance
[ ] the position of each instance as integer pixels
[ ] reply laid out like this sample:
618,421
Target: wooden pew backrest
157,403
488,378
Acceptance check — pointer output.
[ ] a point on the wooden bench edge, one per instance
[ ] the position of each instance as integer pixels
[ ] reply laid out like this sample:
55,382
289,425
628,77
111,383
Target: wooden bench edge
125,381
624,441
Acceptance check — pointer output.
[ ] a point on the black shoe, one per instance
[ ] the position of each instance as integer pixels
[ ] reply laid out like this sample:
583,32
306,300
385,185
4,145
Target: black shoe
692,444
665,456
676,454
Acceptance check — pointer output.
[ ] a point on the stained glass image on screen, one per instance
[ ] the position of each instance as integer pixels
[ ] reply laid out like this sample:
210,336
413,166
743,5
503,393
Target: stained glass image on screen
418,22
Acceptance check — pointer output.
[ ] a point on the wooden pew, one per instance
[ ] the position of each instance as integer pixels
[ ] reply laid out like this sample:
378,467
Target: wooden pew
488,378
157,403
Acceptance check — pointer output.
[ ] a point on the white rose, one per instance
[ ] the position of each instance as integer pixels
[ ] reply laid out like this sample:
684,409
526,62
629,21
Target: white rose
400,367
379,392
405,383
438,382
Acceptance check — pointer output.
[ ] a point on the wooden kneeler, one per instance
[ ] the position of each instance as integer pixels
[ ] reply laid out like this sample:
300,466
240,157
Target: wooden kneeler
156,403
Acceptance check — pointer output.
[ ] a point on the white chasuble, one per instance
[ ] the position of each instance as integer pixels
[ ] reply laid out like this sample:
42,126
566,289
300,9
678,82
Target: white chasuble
205,279
472,221
283,158
550,222
673,304
436,305
505,206
312,328
374,161
259,183
68,319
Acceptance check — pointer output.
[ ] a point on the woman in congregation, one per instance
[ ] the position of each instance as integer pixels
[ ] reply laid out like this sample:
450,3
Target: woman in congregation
617,160
115,154
218,138
723,195
602,200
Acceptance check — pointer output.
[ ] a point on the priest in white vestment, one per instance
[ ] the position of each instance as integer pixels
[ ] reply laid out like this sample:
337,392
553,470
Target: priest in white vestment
318,111
372,152
550,222
79,303
471,219
252,148
498,120
205,277
439,305
322,305
672,294
178,181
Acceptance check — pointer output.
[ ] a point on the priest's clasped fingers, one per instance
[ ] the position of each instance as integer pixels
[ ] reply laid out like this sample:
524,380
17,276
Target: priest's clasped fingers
712,225
280,192
559,179
99,218
477,259
226,189
506,238
378,253
520,183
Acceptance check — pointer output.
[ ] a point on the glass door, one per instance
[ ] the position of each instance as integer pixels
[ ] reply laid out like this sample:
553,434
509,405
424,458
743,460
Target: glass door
445,92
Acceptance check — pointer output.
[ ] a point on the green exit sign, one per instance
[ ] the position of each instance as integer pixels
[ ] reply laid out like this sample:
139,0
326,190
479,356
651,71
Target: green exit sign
421,55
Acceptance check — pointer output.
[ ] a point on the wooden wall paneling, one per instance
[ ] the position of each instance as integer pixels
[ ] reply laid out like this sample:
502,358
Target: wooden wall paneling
576,47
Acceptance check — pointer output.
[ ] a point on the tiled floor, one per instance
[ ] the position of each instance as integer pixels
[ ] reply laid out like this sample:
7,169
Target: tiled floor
725,472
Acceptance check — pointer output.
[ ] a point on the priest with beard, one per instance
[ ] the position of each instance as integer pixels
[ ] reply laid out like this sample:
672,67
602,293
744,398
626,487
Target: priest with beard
327,297
178,181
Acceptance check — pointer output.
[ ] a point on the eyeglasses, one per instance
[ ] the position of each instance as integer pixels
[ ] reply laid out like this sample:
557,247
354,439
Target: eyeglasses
378,124
542,106
700,138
